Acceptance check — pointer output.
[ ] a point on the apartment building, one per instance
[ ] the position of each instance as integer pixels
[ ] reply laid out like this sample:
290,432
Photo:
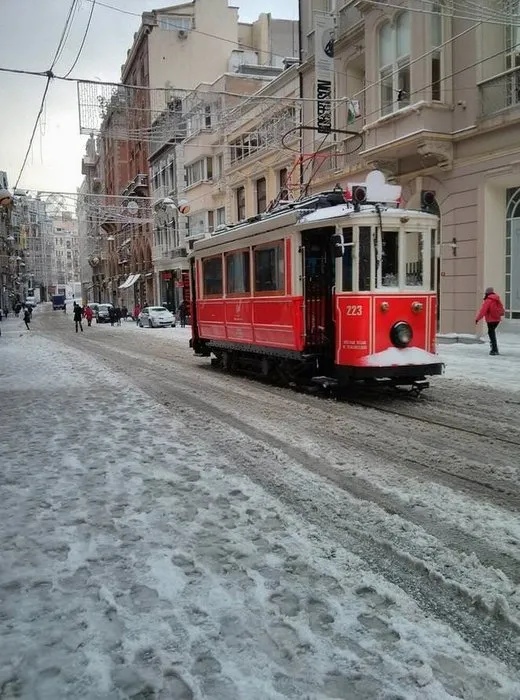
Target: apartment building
190,163
66,251
242,168
439,103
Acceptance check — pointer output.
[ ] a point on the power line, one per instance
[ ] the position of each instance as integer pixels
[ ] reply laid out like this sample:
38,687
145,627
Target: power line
83,40
74,7
487,20
46,89
42,105
64,34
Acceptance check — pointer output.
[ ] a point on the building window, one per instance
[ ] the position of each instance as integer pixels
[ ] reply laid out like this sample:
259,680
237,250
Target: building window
269,269
238,273
221,216
198,171
172,22
283,178
241,203
436,19
394,64
211,221
261,195
219,166
212,276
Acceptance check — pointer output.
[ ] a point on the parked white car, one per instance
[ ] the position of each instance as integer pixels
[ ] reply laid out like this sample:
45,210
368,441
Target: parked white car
156,317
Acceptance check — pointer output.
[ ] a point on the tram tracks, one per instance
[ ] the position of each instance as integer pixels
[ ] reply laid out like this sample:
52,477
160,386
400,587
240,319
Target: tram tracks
468,476
285,471
335,442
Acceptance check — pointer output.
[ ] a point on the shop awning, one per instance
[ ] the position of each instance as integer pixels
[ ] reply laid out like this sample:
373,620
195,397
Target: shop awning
130,281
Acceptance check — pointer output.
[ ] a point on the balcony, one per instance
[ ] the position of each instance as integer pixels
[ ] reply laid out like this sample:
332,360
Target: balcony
499,93
349,17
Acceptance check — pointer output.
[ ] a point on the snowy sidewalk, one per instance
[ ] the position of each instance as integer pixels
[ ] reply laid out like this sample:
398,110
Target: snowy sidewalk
136,563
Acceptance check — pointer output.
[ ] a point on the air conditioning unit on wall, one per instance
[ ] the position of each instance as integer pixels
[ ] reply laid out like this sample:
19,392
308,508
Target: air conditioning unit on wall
182,33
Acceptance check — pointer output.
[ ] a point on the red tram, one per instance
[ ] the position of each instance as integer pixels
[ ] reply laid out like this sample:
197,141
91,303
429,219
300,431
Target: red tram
329,289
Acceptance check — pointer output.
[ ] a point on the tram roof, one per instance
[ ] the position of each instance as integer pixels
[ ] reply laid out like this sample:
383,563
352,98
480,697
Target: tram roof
306,217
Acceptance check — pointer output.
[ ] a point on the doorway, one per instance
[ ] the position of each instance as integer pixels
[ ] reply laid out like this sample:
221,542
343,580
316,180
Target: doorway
318,281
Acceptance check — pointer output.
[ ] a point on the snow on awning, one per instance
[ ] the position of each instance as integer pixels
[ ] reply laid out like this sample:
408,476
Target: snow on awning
129,281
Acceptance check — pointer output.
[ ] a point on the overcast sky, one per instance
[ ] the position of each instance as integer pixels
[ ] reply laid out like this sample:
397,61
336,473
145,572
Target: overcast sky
29,34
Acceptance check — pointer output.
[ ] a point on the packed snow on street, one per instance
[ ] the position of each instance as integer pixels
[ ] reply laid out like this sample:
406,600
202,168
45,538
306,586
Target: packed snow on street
155,546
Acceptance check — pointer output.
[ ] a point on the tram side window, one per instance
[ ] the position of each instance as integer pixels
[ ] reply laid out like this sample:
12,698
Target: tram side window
269,269
390,259
212,276
414,259
237,273
347,260
365,256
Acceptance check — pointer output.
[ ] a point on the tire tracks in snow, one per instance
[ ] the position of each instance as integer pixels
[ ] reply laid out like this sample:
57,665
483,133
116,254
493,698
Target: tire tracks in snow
285,471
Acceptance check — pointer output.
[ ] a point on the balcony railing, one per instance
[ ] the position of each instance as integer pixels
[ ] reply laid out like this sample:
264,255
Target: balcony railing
500,92
349,16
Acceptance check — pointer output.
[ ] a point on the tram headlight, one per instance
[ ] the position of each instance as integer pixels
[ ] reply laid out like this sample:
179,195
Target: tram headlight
401,334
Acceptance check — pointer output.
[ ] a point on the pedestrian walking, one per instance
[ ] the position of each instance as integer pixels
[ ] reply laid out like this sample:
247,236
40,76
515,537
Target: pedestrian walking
89,314
117,315
491,311
137,311
78,315
124,312
27,318
182,314
6,312
112,315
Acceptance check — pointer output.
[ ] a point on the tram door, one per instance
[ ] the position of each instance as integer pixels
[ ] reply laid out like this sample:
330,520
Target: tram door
317,285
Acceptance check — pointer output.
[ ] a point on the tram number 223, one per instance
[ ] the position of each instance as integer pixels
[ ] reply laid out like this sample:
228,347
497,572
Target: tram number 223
354,310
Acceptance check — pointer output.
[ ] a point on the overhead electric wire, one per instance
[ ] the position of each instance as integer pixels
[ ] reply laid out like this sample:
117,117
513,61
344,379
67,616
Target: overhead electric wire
80,50
64,34
70,22
42,105
49,75
490,20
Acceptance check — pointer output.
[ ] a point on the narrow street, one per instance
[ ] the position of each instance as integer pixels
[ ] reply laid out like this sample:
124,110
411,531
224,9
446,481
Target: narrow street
172,532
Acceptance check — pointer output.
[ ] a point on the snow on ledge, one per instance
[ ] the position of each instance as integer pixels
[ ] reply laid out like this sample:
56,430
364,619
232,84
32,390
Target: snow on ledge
393,357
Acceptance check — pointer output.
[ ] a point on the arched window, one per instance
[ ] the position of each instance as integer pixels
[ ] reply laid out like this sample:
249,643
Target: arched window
394,63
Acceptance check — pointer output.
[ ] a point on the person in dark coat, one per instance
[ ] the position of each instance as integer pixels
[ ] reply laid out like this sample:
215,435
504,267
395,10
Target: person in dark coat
112,315
78,315
182,314
491,311
27,318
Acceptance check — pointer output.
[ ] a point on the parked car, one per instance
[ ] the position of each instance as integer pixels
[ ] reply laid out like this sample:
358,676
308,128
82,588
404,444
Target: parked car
156,317
31,301
101,313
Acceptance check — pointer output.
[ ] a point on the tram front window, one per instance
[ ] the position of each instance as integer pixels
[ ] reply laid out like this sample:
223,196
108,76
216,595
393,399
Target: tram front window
390,259
414,258
365,255
347,260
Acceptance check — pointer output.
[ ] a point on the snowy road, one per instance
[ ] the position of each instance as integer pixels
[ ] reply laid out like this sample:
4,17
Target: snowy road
172,532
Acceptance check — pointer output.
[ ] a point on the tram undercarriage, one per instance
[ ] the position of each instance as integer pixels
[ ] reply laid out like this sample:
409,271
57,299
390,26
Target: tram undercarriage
313,372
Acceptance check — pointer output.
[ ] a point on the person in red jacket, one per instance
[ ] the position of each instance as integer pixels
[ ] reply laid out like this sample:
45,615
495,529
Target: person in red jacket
492,311
88,313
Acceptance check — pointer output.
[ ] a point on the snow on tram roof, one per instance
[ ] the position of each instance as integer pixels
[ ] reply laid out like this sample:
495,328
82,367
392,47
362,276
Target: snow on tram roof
342,210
